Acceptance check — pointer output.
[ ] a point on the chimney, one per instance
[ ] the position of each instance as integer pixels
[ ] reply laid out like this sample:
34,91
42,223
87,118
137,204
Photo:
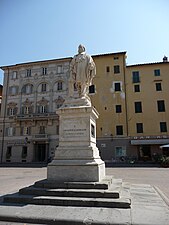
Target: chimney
165,59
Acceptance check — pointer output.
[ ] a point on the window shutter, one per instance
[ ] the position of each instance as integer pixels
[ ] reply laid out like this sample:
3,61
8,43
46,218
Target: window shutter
22,130
10,90
6,131
29,130
15,110
8,111
38,108
22,109
14,131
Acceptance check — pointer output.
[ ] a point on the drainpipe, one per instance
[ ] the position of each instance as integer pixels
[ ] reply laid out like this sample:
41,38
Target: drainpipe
3,129
124,69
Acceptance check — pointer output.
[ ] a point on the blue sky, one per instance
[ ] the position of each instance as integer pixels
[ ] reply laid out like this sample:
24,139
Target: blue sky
33,30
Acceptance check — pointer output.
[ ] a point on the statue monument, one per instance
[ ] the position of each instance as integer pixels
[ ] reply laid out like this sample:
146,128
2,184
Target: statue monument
77,157
82,71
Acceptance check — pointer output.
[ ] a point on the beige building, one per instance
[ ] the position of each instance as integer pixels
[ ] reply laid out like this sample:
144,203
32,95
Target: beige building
29,125
132,102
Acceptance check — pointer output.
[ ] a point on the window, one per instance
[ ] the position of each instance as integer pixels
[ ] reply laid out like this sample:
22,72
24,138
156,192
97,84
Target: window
59,85
158,87
44,70
117,86
59,69
138,107
13,90
42,130
139,127
28,73
116,69
10,131
12,111
157,72
118,109
163,127
107,69
137,88
42,109
14,75
120,151
43,87
119,130
27,109
27,89
116,58
136,77
58,105
25,130
161,106
24,152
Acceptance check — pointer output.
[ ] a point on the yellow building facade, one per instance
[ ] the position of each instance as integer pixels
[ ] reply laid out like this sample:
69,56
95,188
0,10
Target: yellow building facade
133,103
148,107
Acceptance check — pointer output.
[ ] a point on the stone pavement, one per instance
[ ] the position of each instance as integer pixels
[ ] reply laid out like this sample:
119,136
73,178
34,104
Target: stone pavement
148,206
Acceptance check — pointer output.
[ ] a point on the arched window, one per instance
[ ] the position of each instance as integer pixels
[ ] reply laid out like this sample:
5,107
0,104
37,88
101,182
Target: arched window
27,89
59,85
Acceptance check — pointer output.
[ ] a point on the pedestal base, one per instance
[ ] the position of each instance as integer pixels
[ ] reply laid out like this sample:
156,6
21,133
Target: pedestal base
76,170
77,157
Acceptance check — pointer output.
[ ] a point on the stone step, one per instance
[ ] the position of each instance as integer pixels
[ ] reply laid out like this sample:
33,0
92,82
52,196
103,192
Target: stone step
68,201
88,193
104,184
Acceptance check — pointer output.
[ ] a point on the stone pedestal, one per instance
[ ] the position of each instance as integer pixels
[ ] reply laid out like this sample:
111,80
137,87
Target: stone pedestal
77,157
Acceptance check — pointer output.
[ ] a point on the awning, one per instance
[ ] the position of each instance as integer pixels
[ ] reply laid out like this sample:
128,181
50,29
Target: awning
150,142
164,146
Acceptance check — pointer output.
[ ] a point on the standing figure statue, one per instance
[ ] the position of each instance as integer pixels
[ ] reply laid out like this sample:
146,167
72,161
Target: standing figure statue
82,71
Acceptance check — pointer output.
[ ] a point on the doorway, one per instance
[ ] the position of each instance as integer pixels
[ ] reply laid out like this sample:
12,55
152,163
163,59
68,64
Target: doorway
40,152
145,152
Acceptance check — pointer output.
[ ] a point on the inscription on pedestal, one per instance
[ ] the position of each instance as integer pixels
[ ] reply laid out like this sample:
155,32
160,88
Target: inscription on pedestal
74,128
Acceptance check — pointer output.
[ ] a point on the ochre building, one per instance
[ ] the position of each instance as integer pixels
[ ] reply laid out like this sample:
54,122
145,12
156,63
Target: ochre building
132,101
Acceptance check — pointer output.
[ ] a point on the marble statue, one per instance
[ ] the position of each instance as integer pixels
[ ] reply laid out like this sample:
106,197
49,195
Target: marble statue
82,71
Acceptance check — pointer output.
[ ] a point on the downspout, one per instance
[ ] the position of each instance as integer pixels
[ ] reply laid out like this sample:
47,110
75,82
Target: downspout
5,107
124,68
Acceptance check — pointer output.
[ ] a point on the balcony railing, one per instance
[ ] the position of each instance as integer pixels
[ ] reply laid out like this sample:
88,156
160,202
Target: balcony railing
40,137
36,116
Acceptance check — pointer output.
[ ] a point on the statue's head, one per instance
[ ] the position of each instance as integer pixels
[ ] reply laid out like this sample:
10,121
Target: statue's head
81,49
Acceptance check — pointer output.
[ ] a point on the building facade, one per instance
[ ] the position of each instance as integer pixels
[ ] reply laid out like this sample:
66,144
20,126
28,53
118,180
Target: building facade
148,108
132,101
29,125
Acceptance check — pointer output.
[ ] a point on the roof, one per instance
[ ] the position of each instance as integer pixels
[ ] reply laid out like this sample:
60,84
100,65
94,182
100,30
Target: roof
144,64
107,54
58,59
36,62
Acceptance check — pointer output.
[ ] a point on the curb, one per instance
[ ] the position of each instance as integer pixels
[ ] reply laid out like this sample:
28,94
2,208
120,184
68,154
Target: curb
163,196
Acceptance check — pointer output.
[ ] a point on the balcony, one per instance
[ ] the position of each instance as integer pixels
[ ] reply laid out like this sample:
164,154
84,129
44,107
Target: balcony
36,116
40,137
22,117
